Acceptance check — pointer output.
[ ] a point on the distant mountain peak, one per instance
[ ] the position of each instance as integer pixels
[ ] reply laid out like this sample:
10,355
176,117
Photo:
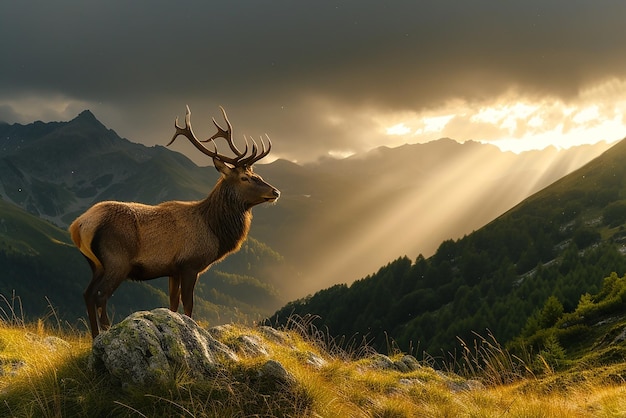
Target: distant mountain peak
87,119
85,116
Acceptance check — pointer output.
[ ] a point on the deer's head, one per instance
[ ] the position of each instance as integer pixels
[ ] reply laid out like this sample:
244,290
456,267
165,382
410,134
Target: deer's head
236,171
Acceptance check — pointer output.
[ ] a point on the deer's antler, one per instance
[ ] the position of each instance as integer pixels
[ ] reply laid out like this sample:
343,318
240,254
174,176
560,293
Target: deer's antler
239,160
254,157
227,134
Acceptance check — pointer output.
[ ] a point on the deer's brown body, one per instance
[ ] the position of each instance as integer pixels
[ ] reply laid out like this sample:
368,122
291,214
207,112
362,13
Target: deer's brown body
176,239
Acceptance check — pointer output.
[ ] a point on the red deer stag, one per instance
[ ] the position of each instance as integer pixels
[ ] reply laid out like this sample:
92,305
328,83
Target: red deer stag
176,239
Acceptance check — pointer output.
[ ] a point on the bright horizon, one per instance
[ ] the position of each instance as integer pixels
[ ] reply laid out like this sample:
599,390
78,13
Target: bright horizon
518,125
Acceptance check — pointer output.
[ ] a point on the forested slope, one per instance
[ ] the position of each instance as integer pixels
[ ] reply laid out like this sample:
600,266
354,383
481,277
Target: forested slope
561,242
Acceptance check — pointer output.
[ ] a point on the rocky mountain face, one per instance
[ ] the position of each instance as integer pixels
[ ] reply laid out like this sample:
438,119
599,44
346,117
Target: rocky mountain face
57,170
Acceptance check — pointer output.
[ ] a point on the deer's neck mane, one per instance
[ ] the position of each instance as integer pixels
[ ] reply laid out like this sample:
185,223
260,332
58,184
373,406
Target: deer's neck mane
227,216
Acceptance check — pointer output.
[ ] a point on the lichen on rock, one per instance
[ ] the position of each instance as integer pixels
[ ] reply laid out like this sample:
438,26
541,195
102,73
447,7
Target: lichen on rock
150,347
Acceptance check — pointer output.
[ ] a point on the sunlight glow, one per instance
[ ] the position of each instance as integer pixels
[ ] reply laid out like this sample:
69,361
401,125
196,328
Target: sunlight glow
434,124
518,123
399,129
504,115
455,196
458,194
339,154
587,115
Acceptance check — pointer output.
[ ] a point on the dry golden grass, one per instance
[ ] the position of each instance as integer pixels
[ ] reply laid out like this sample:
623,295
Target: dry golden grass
42,376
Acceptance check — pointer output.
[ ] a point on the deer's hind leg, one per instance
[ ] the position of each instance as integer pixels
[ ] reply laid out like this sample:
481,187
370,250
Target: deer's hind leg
100,289
91,301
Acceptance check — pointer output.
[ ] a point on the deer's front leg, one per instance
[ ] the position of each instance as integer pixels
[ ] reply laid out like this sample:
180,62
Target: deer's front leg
187,285
174,293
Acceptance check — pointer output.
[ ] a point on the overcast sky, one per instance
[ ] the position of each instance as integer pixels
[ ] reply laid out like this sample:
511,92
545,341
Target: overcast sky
324,77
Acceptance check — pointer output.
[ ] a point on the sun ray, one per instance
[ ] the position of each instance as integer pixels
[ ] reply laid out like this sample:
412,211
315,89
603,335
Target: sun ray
454,197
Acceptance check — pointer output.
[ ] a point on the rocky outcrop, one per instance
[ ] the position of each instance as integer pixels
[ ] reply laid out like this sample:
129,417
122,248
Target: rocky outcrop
153,347
150,347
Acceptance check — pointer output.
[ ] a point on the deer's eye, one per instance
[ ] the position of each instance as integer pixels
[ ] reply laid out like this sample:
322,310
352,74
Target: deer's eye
245,178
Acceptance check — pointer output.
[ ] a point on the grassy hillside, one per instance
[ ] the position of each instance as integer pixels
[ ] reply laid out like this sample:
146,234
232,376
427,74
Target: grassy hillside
55,379
38,260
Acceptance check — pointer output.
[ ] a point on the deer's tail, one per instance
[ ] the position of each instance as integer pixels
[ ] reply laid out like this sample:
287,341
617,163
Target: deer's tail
82,235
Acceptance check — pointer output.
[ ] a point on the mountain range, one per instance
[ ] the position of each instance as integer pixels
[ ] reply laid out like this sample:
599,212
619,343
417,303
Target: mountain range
337,220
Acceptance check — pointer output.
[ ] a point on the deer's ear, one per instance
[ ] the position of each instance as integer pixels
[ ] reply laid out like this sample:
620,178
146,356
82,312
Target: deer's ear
221,167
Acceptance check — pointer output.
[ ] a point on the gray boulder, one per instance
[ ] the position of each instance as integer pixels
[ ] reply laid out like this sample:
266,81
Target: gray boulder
406,364
273,377
382,362
409,362
251,346
150,347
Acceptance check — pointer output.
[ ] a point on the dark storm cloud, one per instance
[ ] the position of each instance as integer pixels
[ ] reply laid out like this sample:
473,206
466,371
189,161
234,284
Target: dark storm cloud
283,67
